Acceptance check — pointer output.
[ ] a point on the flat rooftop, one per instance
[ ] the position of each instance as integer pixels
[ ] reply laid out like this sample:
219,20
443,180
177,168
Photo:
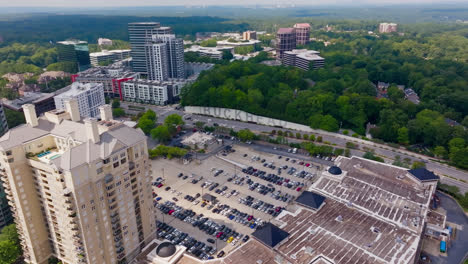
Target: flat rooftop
28,98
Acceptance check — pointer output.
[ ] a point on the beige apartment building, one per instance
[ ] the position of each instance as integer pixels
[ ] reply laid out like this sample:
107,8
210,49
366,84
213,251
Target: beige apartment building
80,190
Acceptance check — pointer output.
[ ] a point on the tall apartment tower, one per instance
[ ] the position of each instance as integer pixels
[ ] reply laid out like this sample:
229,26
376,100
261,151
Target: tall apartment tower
6,217
89,96
80,189
175,54
285,41
157,63
302,33
138,34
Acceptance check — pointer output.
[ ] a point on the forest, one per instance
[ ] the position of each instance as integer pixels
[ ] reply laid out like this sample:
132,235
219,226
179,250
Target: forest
343,93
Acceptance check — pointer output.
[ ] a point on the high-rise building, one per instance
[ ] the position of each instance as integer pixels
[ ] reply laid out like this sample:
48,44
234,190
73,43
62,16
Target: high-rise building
80,189
90,96
138,34
3,121
175,54
388,27
248,35
5,212
74,51
285,41
302,33
157,64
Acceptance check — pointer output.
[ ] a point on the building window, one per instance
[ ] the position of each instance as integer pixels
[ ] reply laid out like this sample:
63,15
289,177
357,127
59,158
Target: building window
116,164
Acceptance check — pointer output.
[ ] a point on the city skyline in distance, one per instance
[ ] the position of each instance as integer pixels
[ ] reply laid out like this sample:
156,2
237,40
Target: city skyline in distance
124,3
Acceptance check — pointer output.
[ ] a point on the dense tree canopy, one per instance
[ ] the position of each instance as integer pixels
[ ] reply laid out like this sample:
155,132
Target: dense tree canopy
343,93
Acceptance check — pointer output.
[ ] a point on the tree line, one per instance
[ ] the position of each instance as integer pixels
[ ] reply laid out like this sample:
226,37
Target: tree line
343,93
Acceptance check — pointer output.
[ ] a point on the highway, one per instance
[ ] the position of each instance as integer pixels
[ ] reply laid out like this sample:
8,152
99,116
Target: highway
448,174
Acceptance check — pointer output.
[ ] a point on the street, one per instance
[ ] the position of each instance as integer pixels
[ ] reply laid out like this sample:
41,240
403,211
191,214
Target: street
456,177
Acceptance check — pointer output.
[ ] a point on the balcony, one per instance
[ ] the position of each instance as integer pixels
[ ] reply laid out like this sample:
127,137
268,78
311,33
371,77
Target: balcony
121,256
78,243
115,220
120,250
117,238
117,232
72,215
115,227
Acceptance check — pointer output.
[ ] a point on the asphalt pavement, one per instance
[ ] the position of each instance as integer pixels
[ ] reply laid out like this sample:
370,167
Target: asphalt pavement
459,248
456,177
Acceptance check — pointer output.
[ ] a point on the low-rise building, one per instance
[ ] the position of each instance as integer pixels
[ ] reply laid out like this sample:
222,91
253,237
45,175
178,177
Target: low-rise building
110,76
108,55
43,102
104,42
303,59
90,96
152,92
211,52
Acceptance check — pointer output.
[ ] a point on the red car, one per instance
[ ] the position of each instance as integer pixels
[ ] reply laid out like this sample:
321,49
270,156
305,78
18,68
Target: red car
219,234
308,165
160,185
299,189
278,209
194,130
301,163
286,180
170,212
250,217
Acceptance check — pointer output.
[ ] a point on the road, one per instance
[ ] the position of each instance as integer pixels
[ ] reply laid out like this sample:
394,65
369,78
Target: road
458,250
449,175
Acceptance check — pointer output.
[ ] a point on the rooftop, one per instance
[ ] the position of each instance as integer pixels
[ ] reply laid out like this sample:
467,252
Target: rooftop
113,137
302,25
72,42
286,31
28,98
270,235
311,200
77,88
424,175
305,54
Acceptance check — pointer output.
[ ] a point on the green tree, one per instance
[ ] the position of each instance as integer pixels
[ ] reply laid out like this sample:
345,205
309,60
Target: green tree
115,103
440,152
395,94
150,114
370,155
305,137
161,133
245,135
14,118
459,157
347,152
66,66
146,124
403,136
418,164
199,124
9,252
173,120
118,112
209,43
329,123
10,249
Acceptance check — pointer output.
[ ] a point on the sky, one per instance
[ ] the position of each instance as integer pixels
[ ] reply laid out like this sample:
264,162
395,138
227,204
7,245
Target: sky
117,3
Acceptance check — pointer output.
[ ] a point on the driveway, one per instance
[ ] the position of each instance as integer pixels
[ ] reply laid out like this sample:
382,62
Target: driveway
459,247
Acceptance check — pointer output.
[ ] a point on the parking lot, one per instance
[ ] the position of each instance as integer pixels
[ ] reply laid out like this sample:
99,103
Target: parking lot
249,188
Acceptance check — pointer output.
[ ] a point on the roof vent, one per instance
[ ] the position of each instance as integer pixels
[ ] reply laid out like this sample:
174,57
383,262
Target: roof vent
259,261
339,218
